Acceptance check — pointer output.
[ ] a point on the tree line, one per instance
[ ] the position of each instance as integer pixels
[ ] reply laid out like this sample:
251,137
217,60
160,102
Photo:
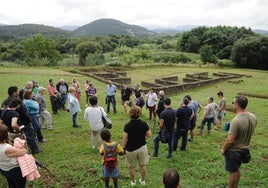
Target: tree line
240,46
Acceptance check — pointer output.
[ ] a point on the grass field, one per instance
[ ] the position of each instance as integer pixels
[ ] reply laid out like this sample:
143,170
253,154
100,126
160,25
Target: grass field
73,163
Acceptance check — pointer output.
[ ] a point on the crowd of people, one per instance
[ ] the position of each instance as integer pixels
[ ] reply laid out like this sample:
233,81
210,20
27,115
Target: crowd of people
26,112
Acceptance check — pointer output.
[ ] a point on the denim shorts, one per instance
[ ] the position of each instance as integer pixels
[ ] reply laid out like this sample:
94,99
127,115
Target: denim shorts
110,173
232,161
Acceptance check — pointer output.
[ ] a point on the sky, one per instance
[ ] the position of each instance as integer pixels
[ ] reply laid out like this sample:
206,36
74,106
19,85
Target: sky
148,13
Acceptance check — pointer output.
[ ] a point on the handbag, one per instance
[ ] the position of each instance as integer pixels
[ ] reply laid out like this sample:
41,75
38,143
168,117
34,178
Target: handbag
107,122
245,155
164,135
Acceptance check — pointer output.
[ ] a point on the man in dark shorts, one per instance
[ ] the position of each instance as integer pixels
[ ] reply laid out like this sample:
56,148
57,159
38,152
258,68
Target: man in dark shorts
237,143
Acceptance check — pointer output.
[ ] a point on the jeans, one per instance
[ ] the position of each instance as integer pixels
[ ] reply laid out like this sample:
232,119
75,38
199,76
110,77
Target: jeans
64,98
37,127
178,133
30,137
74,116
156,146
204,121
111,99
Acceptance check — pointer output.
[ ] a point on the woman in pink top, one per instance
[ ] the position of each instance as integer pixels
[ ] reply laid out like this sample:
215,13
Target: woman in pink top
53,95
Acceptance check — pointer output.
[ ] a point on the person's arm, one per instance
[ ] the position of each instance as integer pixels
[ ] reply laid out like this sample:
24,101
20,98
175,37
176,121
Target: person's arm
124,141
14,124
161,123
15,152
228,143
148,134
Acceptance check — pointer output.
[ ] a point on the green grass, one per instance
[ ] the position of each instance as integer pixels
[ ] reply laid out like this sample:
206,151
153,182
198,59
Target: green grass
72,162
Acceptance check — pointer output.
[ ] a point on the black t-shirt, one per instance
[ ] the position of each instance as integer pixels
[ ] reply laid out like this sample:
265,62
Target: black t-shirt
183,117
7,117
169,117
136,130
138,93
125,94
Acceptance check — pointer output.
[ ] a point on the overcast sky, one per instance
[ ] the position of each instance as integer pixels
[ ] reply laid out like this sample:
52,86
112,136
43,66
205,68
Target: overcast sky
147,13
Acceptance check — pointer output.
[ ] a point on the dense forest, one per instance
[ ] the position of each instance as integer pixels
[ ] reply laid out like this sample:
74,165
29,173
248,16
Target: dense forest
221,45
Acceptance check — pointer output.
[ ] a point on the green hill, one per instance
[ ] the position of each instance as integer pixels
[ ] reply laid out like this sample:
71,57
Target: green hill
111,26
26,30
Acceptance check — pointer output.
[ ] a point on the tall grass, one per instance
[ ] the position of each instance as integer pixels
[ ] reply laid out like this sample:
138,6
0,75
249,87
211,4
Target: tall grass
73,163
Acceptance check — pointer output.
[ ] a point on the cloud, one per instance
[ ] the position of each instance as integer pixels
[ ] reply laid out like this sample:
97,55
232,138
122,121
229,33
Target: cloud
168,13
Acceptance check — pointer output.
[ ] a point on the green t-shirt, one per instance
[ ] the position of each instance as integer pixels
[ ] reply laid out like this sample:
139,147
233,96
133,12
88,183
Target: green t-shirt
242,126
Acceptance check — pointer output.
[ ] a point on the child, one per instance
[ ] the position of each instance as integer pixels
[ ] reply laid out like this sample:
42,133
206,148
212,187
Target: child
109,151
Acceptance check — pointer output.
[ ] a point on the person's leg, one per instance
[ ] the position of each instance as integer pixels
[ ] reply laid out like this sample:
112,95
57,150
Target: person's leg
156,145
210,120
153,111
31,139
108,103
99,138
170,148
184,134
63,101
114,103
132,174
143,172
20,181
74,116
37,128
106,181
233,180
176,136
93,139
47,117
115,181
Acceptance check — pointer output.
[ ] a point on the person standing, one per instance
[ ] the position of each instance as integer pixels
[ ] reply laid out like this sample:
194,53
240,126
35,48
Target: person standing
125,97
93,114
184,115
167,122
220,109
109,151
35,87
160,105
86,90
24,119
196,107
238,141
139,97
77,87
53,96
33,109
208,116
9,166
111,90
134,144
44,114
73,106
62,88
151,102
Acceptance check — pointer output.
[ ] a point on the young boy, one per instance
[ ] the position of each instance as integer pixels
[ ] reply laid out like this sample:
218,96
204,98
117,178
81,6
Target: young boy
109,151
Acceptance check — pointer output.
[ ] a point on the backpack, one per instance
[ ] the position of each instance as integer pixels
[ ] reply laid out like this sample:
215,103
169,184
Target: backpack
110,156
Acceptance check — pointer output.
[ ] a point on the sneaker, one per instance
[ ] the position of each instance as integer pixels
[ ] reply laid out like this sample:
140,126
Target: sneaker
142,182
133,183
43,140
154,155
190,140
93,147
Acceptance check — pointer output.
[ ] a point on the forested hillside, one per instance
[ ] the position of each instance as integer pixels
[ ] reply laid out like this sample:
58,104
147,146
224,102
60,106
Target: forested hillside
110,26
20,31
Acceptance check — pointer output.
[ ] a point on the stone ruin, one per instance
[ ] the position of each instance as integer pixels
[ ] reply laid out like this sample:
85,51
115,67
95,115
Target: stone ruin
170,84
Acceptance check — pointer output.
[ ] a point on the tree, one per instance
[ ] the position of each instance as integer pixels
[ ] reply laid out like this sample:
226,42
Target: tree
85,48
206,54
38,48
251,52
